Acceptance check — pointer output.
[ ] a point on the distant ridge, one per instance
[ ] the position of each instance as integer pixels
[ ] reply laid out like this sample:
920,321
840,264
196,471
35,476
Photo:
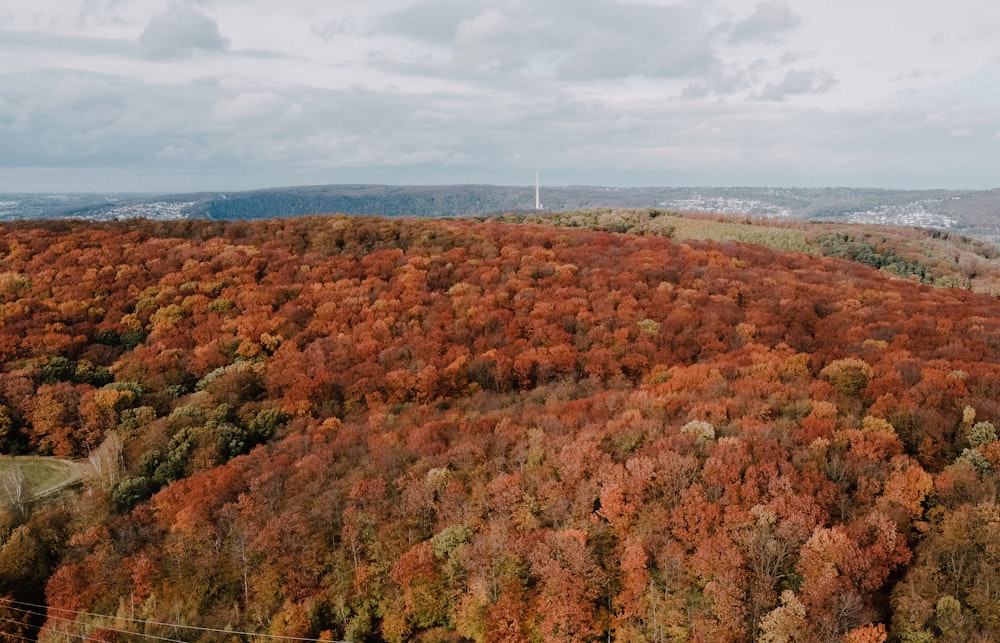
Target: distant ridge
969,212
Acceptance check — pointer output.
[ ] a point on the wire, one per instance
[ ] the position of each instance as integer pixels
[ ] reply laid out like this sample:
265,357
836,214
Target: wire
174,625
106,627
21,638
9,635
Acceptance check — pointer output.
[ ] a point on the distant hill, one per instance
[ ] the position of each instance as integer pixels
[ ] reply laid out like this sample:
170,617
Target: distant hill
976,213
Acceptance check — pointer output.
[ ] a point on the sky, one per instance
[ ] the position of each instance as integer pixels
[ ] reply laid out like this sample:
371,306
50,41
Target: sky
190,95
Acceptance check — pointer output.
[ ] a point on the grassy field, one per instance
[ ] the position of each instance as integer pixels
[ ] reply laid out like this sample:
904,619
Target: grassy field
773,234
785,239
44,475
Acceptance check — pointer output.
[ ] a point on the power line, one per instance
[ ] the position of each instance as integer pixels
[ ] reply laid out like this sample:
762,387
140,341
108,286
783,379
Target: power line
21,638
67,633
106,627
83,638
174,625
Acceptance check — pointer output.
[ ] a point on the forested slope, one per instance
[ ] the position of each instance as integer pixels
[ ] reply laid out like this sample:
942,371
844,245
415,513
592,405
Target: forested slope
930,256
389,430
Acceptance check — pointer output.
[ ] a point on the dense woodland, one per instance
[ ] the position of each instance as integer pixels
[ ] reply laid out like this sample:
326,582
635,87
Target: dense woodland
378,430
926,255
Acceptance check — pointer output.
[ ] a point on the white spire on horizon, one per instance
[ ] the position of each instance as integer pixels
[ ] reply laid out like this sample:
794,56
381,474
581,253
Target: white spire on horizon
538,195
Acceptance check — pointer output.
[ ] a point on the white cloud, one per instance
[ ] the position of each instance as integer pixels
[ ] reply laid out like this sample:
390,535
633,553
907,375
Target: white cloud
432,20
960,133
769,20
489,25
489,39
798,81
559,39
180,31
253,106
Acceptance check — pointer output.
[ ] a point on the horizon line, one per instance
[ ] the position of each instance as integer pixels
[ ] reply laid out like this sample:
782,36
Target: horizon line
503,185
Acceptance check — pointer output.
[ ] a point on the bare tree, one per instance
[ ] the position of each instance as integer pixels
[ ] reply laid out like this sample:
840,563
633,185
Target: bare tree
105,463
17,492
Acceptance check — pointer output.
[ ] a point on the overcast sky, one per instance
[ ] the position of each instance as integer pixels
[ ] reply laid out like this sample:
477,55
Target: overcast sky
180,95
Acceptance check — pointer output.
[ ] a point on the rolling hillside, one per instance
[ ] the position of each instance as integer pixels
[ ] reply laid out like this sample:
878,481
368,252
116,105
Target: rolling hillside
373,429
930,256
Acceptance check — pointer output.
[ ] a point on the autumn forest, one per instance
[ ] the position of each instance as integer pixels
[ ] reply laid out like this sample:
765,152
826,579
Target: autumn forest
385,430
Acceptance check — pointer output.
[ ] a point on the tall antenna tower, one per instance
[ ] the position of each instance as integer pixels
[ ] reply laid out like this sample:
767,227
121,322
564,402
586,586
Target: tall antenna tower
538,194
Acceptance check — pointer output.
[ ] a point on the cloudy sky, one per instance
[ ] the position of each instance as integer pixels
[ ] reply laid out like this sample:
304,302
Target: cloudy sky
179,95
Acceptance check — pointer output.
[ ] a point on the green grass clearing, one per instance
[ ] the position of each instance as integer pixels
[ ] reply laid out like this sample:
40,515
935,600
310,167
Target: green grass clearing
778,238
44,475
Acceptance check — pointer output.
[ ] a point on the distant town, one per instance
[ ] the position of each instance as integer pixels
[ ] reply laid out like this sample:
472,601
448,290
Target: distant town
971,212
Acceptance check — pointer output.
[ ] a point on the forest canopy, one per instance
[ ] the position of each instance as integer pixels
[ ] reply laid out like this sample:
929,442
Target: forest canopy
368,429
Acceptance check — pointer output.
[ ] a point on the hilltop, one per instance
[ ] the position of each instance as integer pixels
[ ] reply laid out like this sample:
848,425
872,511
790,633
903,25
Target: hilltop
939,238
